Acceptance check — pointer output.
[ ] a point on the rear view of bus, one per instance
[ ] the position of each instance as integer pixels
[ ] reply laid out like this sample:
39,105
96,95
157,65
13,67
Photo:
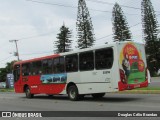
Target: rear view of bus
132,66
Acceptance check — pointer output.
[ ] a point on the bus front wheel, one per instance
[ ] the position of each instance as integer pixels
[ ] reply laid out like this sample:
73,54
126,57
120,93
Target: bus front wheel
98,95
28,93
73,93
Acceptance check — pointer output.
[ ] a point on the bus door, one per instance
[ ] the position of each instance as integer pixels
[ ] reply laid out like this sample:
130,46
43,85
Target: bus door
16,73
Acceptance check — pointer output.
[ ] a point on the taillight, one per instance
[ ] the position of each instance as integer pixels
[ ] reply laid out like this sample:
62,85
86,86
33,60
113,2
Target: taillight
122,76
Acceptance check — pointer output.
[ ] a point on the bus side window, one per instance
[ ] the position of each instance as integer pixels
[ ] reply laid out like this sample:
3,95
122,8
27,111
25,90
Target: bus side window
58,65
36,68
16,72
47,66
26,69
86,61
71,63
104,58
61,67
55,65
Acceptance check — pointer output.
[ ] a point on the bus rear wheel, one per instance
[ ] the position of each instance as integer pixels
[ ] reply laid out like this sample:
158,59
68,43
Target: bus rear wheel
28,93
73,93
98,95
50,95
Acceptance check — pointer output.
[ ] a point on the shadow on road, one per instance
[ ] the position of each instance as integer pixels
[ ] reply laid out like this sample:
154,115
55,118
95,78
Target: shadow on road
112,99
88,98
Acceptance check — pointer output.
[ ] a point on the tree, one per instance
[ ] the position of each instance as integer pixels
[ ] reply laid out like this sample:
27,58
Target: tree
63,44
150,31
84,26
6,70
3,74
120,25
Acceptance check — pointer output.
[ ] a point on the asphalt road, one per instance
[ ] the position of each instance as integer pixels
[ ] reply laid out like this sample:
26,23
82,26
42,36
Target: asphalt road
155,82
111,102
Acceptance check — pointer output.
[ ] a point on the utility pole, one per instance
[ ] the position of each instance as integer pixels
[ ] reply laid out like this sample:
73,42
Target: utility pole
16,54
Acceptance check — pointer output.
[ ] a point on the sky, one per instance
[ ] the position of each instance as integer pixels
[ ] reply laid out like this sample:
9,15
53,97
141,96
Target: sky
36,25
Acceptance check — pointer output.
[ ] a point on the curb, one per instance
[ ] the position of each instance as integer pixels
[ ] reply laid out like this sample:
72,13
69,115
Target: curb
140,92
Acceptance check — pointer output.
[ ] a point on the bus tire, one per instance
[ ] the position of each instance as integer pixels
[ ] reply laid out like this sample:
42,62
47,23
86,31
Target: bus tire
73,93
50,95
28,93
98,95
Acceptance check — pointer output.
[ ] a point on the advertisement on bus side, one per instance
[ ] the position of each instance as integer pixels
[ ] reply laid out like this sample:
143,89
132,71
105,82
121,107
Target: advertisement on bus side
132,62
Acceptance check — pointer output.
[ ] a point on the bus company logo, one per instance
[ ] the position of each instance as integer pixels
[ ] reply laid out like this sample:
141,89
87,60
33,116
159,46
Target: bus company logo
6,114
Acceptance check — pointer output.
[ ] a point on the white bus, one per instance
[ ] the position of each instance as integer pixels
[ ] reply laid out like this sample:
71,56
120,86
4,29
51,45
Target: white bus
92,71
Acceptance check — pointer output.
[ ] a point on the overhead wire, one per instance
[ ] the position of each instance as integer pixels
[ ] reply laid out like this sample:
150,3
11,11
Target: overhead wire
112,33
6,58
62,5
72,7
108,3
45,34
36,53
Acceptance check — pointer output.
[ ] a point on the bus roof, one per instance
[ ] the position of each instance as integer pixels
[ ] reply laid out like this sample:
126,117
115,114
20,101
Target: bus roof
97,47
72,52
36,59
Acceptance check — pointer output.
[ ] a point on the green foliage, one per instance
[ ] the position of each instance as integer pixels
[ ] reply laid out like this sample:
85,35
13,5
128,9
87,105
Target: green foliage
150,29
63,44
148,88
7,90
84,26
120,25
6,70
2,74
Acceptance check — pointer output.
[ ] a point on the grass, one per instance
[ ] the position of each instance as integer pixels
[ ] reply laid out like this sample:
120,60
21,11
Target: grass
6,90
146,90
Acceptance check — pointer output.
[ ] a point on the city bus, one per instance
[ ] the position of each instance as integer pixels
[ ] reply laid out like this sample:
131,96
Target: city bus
91,71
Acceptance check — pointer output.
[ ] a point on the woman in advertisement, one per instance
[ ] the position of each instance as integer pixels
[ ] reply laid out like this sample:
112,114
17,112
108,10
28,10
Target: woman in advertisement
126,65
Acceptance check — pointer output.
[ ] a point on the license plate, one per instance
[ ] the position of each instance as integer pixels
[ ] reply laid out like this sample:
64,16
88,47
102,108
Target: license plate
136,86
